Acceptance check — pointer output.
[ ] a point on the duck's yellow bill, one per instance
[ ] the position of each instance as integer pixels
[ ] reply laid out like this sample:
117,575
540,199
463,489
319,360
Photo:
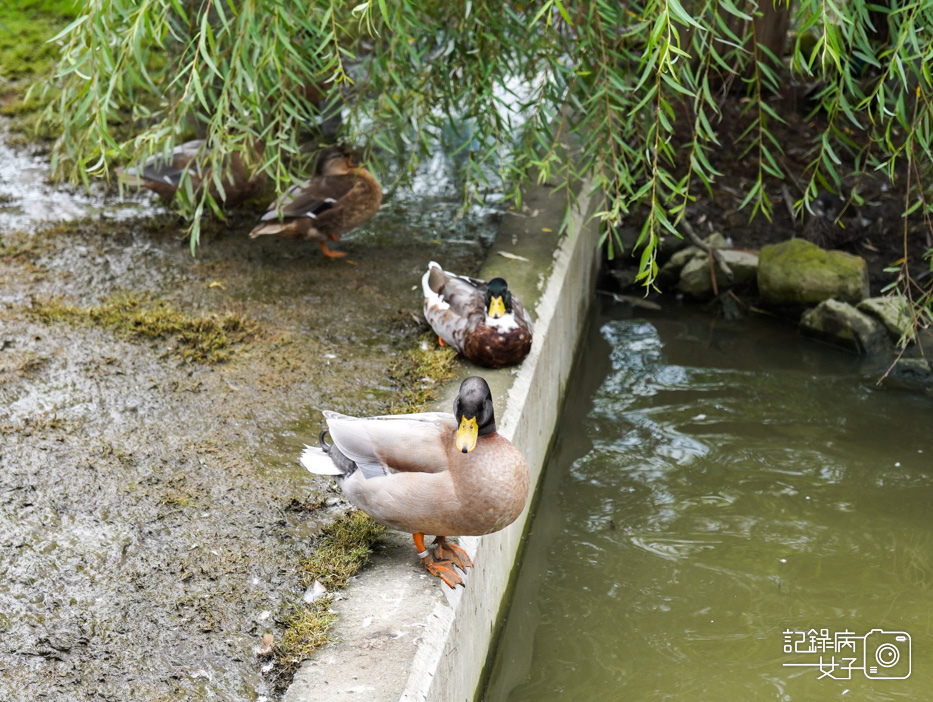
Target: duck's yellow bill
467,434
496,308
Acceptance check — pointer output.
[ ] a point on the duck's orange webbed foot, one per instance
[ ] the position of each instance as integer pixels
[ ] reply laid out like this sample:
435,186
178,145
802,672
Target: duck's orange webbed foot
441,342
443,569
331,254
444,550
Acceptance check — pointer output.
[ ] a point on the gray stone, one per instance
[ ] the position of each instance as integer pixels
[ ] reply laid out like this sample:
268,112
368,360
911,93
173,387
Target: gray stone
716,241
841,324
893,312
695,279
743,264
796,272
669,273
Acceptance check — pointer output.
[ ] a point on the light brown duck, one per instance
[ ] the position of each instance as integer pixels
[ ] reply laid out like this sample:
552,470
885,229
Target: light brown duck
429,473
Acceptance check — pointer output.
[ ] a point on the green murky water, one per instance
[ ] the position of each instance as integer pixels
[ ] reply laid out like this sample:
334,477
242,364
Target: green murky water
711,488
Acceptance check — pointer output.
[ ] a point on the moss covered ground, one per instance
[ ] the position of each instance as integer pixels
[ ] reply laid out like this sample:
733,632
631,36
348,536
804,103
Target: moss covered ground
27,57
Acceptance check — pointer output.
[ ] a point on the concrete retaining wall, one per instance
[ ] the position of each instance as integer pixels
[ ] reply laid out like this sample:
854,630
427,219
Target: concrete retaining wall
403,634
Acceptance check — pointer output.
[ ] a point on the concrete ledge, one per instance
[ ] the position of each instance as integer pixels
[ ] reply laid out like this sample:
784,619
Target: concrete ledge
402,634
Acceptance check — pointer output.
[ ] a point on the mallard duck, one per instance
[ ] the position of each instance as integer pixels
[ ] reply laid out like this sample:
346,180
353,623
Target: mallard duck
340,197
481,320
163,176
428,473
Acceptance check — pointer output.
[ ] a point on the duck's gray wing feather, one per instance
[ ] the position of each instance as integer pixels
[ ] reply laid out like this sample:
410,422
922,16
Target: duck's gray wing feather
394,443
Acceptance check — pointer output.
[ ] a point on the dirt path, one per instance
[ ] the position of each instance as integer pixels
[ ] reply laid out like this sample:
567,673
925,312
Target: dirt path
151,508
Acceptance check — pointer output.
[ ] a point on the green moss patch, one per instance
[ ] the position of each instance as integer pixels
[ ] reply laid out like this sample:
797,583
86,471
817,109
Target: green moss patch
344,549
797,272
28,62
306,630
20,245
25,28
207,339
27,57
420,372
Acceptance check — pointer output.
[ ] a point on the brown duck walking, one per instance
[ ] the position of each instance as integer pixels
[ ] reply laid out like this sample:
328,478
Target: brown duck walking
340,197
428,473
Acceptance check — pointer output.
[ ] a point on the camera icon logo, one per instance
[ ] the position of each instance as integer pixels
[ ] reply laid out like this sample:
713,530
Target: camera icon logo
887,654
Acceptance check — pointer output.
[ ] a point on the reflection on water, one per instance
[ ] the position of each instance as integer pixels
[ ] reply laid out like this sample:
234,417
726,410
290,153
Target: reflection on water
27,199
712,487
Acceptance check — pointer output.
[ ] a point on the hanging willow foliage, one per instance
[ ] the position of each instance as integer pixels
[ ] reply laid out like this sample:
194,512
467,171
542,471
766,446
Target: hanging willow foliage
608,79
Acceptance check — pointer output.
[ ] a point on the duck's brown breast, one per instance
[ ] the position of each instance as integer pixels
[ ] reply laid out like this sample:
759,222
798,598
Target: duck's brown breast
492,485
488,347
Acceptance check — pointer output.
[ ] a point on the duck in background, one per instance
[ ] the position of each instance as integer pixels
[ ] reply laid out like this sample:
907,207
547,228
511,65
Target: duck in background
428,473
163,175
481,320
338,198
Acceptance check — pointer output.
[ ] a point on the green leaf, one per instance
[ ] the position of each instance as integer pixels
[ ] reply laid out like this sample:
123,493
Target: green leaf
678,11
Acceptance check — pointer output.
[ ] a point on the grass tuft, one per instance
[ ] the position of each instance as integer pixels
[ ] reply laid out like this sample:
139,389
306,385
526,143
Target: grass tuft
306,630
343,549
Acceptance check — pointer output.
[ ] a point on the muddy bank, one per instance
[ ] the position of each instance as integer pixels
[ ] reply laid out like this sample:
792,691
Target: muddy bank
152,509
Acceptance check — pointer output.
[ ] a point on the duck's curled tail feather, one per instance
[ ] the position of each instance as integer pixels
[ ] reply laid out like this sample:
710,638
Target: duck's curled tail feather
326,460
317,461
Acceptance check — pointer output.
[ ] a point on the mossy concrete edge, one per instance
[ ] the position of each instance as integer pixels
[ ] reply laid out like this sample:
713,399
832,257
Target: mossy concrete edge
532,408
403,635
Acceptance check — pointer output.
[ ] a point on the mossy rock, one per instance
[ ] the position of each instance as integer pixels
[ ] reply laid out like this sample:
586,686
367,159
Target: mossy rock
893,312
796,272
840,324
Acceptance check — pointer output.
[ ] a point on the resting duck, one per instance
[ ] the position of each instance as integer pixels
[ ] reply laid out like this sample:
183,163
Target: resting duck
163,176
340,197
483,321
428,473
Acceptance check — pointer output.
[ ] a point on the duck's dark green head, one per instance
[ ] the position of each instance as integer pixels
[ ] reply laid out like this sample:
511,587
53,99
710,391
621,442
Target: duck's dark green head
498,298
474,412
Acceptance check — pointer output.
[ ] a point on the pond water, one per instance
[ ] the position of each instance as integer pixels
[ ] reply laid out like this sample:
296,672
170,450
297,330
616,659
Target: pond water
715,492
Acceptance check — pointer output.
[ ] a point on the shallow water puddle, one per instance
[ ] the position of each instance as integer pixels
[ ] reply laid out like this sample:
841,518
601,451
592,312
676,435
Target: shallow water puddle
725,506
27,199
